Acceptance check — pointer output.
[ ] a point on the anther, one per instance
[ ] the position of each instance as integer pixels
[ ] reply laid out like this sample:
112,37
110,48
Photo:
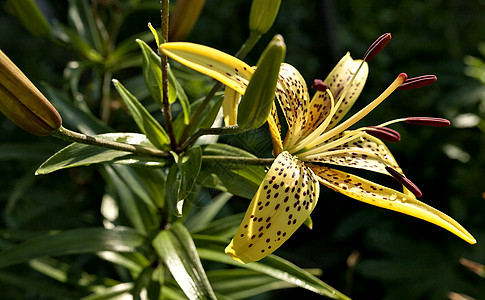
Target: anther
404,181
416,82
384,133
427,121
319,85
377,46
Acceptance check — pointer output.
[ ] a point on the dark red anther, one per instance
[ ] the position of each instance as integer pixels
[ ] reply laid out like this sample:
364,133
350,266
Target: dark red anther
426,121
319,85
416,82
384,133
404,181
377,46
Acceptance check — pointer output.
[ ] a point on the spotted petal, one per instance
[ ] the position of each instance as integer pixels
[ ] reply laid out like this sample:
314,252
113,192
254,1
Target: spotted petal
284,200
338,80
221,66
355,149
371,193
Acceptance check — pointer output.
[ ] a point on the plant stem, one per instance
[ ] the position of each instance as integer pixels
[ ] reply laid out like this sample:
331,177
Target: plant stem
164,67
216,159
241,54
209,131
73,136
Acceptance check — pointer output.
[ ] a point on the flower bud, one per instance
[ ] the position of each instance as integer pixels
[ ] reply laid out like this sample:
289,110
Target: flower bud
258,99
185,14
23,103
262,15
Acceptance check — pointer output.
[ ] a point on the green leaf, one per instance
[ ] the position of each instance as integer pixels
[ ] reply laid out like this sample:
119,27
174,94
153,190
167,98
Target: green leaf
189,165
77,154
156,35
134,262
177,250
174,181
75,43
173,84
244,283
119,291
223,228
240,180
145,121
31,17
212,248
209,113
207,214
152,73
81,17
255,105
181,178
76,241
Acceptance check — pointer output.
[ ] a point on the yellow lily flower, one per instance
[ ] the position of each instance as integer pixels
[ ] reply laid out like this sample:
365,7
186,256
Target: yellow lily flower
315,139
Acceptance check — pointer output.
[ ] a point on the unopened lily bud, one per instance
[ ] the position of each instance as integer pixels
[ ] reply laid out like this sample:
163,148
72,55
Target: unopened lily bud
262,15
258,99
185,14
23,103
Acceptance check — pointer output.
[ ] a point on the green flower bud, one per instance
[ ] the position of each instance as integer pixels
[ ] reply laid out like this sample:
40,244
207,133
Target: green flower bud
262,15
258,99
23,103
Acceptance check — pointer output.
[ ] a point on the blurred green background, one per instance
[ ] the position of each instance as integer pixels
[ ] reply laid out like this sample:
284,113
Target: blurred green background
396,257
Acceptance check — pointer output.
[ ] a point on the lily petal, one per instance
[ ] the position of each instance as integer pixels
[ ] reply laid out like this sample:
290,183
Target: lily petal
292,94
275,131
338,80
381,196
360,150
221,66
229,106
283,202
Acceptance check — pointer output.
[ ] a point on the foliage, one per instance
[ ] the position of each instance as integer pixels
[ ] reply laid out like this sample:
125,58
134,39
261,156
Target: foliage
157,227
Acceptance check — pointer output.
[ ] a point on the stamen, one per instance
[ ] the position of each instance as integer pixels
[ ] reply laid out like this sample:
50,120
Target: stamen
416,82
426,121
384,133
319,85
404,181
311,141
377,46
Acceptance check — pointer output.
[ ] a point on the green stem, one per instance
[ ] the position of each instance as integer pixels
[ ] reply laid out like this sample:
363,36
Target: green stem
73,136
216,159
241,54
210,131
164,66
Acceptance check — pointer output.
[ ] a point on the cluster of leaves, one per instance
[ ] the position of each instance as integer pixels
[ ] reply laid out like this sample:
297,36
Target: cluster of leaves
114,211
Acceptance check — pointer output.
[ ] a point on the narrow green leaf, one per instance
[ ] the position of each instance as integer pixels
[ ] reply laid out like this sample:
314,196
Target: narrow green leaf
244,283
158,37
76,154
152,73
212,248
145,121
210,114
119,291
31,17
177,250
34,283
81,17
128,202
135,262
207,214
189,165
174,181
76,241
240,180
179,94
223,228
255,105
